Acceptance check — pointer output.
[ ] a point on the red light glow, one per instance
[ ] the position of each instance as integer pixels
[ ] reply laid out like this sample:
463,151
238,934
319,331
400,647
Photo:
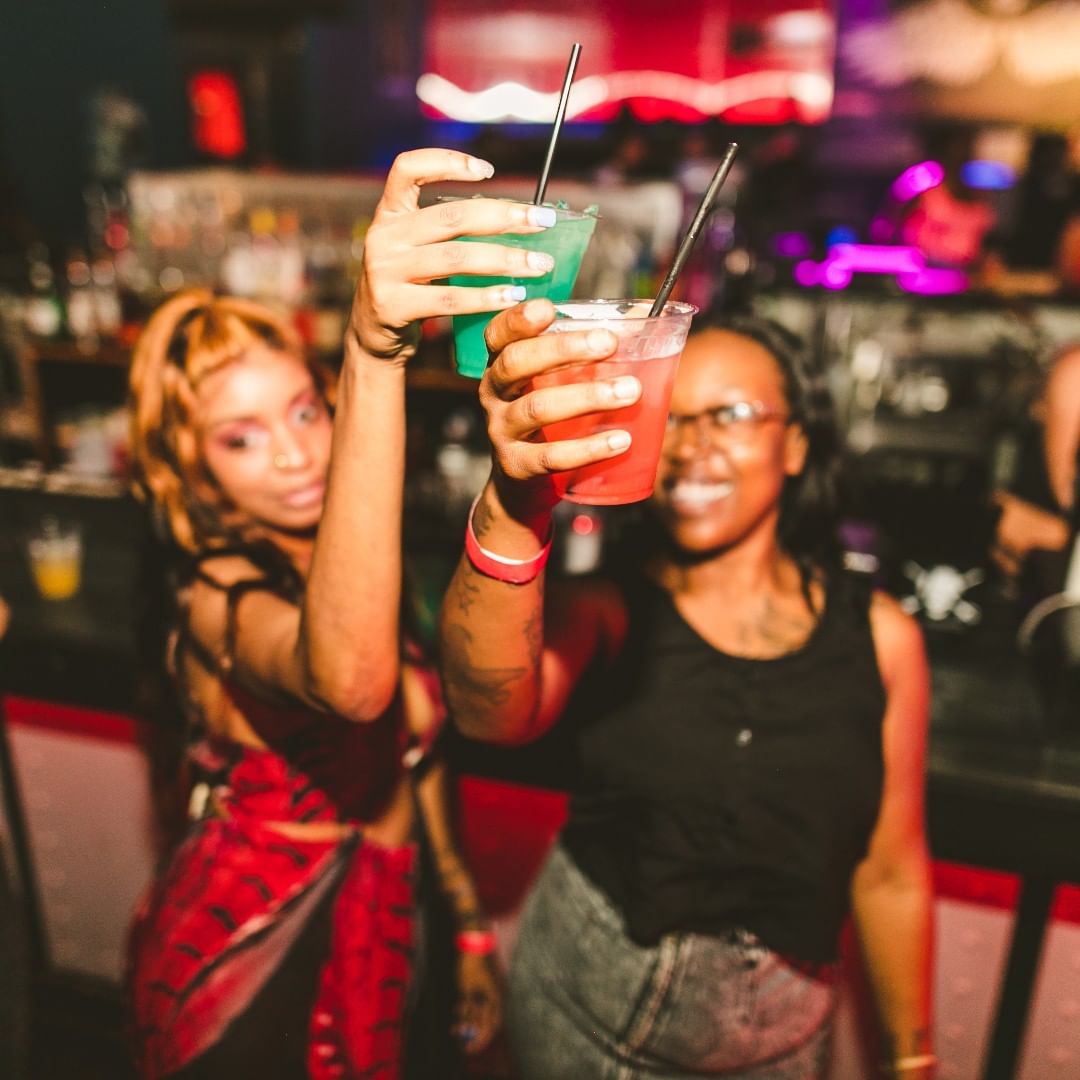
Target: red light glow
503,60
217,114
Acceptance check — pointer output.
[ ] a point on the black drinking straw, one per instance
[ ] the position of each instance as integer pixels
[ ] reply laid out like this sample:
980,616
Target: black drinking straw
560,114
691,236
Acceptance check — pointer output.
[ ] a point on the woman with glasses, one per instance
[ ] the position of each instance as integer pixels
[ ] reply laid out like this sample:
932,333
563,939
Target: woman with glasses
749,727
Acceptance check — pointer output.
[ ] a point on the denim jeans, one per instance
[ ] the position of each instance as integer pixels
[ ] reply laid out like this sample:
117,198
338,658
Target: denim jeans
586,1003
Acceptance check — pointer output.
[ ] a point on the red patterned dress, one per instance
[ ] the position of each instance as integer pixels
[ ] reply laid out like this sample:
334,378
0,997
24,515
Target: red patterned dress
222,919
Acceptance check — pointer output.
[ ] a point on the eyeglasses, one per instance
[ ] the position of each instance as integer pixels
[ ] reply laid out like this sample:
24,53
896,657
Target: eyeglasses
738,421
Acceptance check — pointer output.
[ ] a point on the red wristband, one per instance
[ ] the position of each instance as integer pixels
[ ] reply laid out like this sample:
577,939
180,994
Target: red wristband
477,942
499,567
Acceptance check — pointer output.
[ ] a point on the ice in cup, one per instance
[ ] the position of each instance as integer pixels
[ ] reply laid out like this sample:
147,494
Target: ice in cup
565,242
649,349
55,552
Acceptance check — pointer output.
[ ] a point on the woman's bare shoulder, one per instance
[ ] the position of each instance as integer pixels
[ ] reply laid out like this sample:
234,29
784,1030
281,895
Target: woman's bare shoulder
1063,381
208,595
898,638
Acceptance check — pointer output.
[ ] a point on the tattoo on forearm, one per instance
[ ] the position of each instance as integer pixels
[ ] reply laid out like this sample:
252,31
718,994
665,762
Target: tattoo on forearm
466,593
458,888
469,686
481,520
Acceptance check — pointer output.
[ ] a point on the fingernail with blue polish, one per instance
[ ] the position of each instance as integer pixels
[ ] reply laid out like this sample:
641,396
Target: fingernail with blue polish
543,216
516,293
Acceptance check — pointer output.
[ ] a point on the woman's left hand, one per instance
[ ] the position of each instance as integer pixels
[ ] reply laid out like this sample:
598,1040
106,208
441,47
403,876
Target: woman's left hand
479,1011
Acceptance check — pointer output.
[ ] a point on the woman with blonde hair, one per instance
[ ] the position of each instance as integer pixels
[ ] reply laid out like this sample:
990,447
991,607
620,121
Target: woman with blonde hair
284,937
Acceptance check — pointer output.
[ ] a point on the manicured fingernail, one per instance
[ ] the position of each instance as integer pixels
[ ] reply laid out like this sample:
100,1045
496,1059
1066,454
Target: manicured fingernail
625,389
479,167
543,216
539,260
514,294
598,341
618,440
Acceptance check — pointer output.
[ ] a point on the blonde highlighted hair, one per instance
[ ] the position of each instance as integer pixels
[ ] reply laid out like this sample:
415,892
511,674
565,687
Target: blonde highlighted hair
188,338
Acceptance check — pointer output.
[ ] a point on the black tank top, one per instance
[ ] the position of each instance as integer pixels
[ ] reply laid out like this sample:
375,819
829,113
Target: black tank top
718,792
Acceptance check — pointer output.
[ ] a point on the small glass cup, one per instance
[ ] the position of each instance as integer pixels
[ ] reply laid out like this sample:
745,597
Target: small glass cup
55,553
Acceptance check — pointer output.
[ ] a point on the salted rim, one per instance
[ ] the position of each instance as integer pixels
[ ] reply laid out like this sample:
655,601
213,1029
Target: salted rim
619,310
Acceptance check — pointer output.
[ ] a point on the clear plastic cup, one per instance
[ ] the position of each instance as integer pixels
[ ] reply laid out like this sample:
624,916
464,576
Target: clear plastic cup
649,349
55,553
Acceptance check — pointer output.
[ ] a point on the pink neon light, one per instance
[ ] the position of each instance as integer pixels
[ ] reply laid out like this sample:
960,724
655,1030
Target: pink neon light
933,281
906,263
916,179
808,273
835,275
877,258
791,245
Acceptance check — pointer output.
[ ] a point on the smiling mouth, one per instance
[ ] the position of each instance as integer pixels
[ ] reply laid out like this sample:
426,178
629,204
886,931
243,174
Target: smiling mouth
695,496
302,498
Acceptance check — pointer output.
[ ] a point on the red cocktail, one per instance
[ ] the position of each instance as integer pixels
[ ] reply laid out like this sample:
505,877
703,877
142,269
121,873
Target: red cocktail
649,349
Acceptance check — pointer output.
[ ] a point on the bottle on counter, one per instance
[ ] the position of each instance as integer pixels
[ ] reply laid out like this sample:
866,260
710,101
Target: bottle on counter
581,529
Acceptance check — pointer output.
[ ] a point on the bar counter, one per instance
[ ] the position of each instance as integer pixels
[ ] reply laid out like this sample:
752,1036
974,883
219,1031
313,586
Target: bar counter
1000,796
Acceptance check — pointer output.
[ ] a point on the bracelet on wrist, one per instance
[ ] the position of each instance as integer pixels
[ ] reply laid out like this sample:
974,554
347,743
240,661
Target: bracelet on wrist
501,567
475,942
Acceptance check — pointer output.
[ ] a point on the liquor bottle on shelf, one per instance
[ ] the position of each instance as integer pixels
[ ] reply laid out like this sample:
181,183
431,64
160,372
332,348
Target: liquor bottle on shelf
81,317
44,312
108,311
462,468
327,301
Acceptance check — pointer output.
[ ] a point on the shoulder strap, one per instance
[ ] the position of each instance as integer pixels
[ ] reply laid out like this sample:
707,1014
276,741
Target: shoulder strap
234,593
225,661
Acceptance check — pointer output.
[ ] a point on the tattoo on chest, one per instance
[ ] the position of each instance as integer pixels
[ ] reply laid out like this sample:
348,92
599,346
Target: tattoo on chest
773,630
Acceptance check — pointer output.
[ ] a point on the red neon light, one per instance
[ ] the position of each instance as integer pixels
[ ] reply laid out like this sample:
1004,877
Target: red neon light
761,61
217,114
